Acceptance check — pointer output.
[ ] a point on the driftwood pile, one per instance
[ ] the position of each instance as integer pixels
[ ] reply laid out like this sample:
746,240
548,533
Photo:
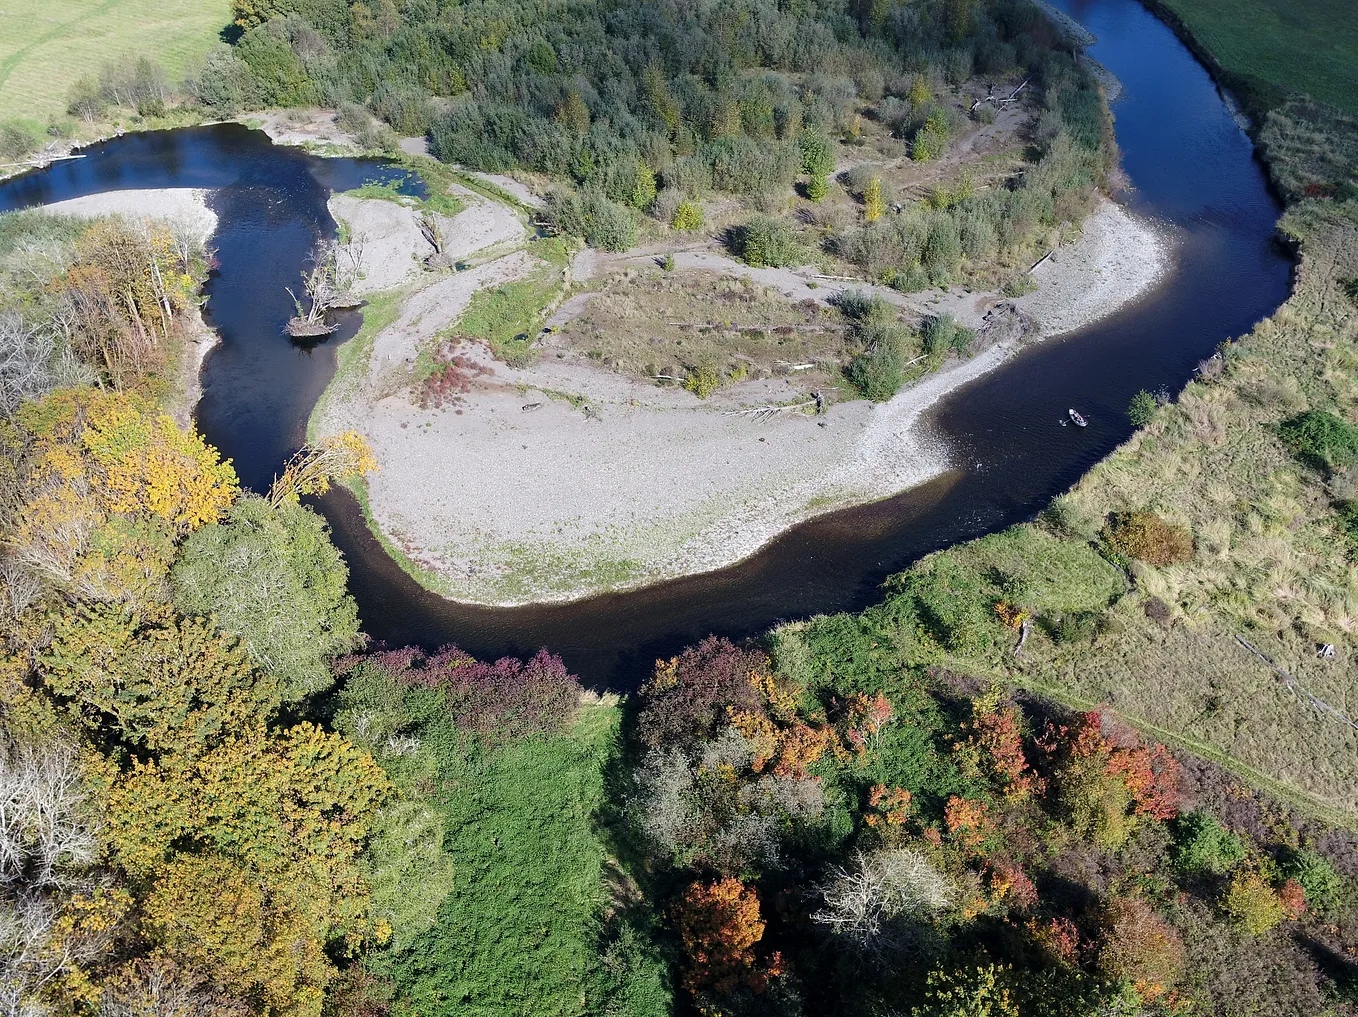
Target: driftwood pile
326,287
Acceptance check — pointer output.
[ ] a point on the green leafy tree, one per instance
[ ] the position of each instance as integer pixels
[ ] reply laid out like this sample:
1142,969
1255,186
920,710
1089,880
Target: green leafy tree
688,216
1141,410
969,992
166,684
272,577
1203,845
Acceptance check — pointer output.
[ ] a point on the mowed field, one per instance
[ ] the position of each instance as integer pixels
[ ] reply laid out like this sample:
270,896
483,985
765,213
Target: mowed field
46,45
1308,46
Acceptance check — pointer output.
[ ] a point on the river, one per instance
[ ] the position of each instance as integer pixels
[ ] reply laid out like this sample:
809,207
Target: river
1191,166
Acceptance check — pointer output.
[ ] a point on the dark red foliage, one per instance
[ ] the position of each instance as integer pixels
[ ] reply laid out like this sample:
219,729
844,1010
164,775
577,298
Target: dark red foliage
509,698
687,698
451,379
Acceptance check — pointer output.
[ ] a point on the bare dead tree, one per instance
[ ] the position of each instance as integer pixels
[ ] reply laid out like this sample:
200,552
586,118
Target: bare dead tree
870,900
185,242
45,823
320,288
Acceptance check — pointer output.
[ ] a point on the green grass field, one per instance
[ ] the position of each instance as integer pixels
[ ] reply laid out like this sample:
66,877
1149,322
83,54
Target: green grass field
46,45
1308,46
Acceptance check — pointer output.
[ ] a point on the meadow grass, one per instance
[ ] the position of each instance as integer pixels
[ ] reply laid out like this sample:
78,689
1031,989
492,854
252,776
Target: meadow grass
46,45
522,930
508,316
1307,46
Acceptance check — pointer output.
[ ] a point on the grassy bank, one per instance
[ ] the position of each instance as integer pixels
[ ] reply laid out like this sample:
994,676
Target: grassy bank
1270,48
47,46
523,913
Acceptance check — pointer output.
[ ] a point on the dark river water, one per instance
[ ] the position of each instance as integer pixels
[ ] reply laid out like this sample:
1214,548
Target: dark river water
1191,167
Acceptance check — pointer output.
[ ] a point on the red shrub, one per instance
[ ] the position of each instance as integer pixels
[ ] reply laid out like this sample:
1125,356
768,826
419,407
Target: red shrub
688,696
509,698
452,377
1294,899
1058,938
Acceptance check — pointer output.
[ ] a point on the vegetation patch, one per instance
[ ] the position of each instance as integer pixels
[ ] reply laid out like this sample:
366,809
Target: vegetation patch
508,317
666,326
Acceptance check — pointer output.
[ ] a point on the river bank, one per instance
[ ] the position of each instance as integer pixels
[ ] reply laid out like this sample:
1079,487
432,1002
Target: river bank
185,208
563,480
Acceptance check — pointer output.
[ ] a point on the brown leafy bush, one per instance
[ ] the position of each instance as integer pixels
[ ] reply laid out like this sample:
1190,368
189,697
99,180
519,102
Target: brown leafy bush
689,694
1146,537
1137,946
451,379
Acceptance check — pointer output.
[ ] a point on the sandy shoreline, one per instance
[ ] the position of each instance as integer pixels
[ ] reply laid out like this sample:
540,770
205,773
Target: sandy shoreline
186,205
564,480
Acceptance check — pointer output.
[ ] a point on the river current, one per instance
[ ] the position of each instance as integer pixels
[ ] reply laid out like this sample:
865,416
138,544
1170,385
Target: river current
1191,167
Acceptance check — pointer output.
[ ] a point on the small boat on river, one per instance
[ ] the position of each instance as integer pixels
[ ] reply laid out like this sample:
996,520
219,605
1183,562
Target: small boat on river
1079,420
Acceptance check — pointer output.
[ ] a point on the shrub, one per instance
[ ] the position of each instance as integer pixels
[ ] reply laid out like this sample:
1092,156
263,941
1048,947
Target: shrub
15,141
943,332
765,241
1146,537
817,188
601,222
702,381
1347,512
687,216
1203,845
1320,439
1107,791
1316,876
686,699
1253,905
879,371
608,225
1076,627
1141,410
510,698
643,188
1137,946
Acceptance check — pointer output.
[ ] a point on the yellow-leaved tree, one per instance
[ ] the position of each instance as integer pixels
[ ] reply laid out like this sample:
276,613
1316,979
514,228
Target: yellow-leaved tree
107,484
251,851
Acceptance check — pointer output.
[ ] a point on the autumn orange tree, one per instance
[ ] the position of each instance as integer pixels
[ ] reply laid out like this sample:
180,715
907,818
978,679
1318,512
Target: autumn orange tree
720,925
